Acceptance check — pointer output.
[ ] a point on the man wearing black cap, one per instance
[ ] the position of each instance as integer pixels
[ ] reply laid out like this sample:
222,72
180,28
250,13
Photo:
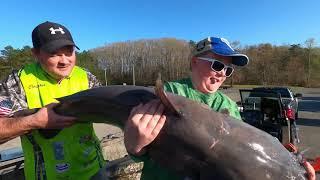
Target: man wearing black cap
54,147
212,62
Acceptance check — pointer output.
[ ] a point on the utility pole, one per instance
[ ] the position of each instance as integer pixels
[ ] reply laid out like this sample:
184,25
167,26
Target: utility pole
133,75
309,68
310,43
105,76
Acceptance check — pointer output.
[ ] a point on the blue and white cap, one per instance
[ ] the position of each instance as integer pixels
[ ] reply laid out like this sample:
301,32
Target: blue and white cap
222,47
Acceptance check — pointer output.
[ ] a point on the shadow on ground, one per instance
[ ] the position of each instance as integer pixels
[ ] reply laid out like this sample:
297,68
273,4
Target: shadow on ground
308,122
311,104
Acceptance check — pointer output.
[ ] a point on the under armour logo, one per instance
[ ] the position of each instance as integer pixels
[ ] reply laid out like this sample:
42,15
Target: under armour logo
53,31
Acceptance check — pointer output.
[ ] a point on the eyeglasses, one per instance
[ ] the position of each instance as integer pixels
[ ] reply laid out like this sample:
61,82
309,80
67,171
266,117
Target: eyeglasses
218,66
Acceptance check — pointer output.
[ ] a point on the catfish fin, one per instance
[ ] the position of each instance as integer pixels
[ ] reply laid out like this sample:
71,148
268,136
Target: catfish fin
161,94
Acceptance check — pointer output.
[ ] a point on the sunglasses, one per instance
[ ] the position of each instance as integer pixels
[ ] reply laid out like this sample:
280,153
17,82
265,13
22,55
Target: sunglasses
218,66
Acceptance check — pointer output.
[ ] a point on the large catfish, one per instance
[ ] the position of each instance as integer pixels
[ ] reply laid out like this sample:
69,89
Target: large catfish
196,141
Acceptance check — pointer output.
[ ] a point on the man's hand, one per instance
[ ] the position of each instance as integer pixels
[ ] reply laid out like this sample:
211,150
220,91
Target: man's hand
46,118
143,126
310,171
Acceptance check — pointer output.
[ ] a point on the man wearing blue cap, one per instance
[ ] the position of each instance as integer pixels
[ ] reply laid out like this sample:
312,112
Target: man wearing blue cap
212,62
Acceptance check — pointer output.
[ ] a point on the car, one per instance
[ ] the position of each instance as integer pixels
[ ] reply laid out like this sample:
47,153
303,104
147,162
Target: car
288,98
273,110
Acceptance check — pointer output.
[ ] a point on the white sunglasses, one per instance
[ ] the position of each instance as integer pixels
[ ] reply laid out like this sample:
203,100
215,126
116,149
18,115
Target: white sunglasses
218,66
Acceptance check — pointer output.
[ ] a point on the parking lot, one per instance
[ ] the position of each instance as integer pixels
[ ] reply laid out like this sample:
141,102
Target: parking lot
309,123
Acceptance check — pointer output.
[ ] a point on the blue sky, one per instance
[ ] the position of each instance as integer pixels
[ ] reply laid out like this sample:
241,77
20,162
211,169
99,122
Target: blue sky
97,22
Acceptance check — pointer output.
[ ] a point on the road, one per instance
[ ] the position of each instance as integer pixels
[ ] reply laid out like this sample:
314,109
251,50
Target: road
309,123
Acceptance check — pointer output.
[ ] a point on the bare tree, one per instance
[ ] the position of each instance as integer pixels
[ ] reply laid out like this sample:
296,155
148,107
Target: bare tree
269,64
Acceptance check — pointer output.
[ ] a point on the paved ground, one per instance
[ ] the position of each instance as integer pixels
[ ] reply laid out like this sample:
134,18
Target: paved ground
309,123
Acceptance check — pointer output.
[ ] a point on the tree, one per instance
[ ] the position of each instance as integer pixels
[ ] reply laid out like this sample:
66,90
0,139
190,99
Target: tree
86,60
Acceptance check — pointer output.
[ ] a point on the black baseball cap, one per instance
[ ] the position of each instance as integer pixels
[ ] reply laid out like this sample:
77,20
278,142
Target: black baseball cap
50,37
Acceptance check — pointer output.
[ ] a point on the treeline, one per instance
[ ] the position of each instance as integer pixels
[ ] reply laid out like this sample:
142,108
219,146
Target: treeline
139,62
142,60
281,65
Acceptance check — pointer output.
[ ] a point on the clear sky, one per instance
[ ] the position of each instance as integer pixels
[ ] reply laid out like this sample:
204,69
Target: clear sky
95,23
